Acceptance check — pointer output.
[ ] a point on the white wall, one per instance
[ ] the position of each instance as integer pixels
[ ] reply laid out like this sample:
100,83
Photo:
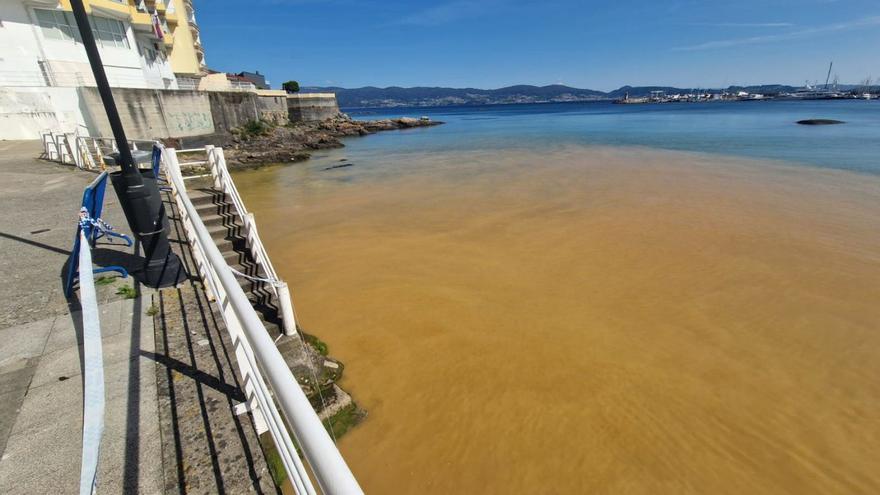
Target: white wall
157,72
25,112
20,48
23,44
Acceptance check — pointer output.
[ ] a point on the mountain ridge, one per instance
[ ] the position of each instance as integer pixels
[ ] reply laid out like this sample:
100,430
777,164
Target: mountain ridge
423,96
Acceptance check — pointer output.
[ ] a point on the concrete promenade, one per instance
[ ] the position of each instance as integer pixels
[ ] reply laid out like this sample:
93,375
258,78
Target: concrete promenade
170,421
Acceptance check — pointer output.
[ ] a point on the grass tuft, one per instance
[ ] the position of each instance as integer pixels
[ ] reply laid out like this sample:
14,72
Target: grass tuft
255,128
105,280
127,292
153,310
317,343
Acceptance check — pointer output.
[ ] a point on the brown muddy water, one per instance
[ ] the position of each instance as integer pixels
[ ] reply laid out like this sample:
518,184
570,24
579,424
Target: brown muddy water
591,320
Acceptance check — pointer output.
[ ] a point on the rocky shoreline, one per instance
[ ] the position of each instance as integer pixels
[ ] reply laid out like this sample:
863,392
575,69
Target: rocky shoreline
260,144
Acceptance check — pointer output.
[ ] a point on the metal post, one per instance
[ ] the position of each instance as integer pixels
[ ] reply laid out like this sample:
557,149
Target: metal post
126,162
137,190
288,319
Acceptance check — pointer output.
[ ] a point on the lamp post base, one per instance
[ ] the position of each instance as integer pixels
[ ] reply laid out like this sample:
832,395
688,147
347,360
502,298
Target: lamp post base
145,212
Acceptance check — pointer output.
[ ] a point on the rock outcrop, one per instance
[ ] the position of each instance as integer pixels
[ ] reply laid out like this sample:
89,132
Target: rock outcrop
295,142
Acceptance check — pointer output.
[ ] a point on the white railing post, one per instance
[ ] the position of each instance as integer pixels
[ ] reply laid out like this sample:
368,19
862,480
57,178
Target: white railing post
288,319
49,144
212,165
58,149
251,235
222,171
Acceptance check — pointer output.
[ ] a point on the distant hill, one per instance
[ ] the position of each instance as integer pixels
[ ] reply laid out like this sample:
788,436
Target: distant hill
373,97
425,96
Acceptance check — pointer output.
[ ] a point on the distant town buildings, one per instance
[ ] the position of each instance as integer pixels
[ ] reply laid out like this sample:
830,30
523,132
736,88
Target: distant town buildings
144,44
258,80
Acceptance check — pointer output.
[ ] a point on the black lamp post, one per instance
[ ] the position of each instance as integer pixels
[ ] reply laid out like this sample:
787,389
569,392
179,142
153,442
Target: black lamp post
137,190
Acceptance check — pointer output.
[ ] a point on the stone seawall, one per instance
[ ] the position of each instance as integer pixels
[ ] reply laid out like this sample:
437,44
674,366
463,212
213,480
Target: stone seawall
311,107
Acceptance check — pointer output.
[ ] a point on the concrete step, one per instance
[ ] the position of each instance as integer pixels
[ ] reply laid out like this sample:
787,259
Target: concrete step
233,257
219,232
214,219
211,209
229,245
203,197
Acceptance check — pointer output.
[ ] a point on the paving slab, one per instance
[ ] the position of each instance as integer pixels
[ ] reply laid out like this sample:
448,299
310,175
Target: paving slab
24,341
40,202
67,330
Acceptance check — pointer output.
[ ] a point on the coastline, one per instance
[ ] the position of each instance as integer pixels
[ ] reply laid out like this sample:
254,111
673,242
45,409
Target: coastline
262,144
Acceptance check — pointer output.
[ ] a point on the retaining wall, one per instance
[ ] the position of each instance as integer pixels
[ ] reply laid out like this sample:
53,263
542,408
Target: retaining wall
153,113
273,106
306,107
150,113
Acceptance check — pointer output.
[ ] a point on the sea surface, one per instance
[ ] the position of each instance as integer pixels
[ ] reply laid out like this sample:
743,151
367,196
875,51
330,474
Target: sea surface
587,298
751,129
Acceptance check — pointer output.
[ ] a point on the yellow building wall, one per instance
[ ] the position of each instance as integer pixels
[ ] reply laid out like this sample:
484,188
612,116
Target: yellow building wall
184,59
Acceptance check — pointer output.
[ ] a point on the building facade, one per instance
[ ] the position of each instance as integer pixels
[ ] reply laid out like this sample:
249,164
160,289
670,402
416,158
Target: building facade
258,80
138,42
187,53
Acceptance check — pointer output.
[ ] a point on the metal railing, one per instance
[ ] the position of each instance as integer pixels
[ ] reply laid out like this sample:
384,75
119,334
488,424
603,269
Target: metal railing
74,79
84,151
187,83
264,371
223,182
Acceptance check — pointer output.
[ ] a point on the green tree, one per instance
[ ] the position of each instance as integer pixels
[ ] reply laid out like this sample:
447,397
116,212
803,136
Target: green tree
290,87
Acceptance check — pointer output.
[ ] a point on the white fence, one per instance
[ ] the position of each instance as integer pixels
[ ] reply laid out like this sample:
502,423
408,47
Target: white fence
266,374
84,151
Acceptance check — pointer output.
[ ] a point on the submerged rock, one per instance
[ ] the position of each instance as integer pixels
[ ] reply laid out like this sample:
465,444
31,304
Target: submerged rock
820,122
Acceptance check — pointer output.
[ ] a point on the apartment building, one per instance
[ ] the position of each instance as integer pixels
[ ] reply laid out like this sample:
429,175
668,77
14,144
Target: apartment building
143,44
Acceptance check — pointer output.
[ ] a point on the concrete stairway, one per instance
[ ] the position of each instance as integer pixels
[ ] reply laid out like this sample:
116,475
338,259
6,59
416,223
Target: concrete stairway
306,357
225,227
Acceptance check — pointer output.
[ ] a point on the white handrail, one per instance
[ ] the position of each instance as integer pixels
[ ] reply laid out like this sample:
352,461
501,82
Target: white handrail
258,357
223,181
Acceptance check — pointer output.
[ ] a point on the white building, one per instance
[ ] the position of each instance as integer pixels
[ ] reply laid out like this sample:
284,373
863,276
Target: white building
43,61
41,45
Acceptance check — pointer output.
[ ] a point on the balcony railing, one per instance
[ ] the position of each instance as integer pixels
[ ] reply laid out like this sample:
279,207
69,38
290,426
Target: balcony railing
74,79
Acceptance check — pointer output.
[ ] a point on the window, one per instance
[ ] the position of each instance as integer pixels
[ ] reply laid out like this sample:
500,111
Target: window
150,55
109,32
56,24
60,25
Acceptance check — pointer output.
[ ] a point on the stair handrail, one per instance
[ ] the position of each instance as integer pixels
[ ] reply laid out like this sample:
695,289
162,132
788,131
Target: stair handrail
223,182
262,366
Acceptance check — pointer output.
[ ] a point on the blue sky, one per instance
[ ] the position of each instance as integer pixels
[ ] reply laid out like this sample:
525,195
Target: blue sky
589,44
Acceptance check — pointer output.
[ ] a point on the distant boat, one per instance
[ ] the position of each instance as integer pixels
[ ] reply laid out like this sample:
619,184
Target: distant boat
810,93
627,100
866,96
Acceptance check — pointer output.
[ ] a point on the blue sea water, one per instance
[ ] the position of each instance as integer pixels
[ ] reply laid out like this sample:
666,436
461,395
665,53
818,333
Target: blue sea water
750,129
